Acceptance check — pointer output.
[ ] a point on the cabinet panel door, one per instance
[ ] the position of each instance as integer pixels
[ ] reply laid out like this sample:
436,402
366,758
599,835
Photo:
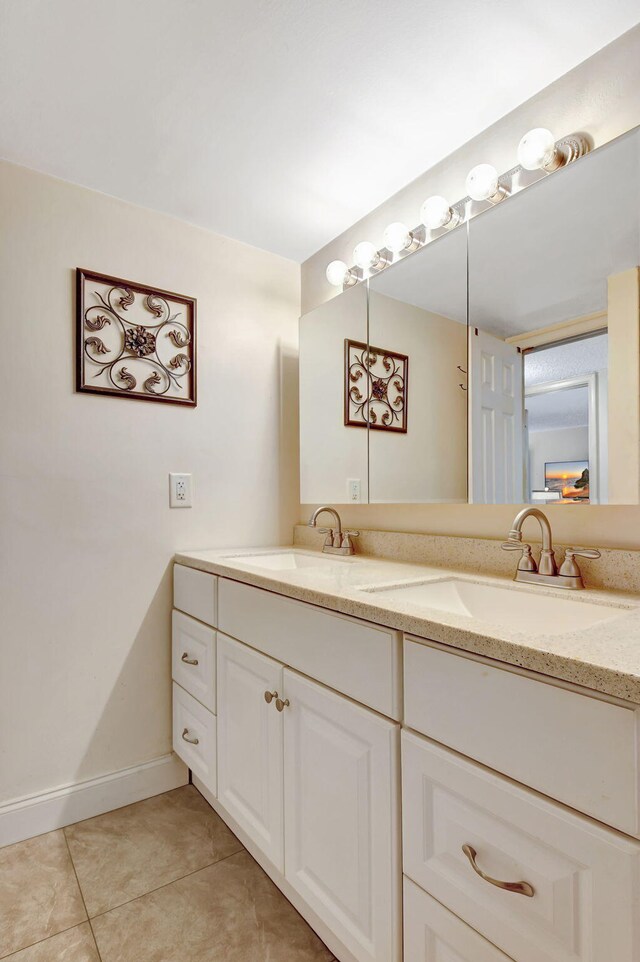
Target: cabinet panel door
250,744
342,833
433,934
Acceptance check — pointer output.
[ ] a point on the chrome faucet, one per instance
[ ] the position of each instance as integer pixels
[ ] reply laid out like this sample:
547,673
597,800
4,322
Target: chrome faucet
337,540
546,570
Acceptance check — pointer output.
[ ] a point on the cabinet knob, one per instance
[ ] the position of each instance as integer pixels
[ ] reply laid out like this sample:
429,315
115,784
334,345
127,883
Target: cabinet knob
520,888
269,696
281,705
188,661
192,741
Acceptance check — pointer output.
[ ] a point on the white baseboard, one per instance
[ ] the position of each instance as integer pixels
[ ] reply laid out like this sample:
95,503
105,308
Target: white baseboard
37,814
340,952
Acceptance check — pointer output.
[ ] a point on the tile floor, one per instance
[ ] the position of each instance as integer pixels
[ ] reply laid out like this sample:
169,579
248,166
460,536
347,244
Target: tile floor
163,880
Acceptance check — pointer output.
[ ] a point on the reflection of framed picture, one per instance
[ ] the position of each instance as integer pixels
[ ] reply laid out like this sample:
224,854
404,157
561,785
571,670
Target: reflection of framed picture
375,389
570,479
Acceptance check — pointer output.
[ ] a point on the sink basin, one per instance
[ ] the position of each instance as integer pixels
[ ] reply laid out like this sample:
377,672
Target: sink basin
515,609
285,560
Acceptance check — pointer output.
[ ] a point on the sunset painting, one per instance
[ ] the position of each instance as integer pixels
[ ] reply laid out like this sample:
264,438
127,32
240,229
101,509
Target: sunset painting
569,478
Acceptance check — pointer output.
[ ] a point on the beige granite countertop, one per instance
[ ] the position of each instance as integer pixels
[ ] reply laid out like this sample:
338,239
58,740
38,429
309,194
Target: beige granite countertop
604,657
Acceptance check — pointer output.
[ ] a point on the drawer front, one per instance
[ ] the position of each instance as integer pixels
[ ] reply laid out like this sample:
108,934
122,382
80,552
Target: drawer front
194,592
352,656
194,736
433,934
552,739
193,658
584,877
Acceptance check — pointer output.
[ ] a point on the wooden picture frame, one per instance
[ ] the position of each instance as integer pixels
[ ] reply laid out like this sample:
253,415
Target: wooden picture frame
120,353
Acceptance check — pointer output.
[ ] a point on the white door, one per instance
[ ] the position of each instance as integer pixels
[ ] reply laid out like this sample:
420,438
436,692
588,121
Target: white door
341,817
496,422
250,744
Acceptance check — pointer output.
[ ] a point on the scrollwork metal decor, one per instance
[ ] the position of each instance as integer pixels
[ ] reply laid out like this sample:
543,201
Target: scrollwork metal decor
375,390
134,341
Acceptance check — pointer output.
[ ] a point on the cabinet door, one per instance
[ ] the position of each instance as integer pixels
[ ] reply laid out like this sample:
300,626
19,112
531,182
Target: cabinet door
250,744
342,833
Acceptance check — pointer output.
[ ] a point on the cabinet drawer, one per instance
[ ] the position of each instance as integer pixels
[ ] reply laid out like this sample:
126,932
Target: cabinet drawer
192,722
585,878
193,658
433,934
352,656
195,593
555,740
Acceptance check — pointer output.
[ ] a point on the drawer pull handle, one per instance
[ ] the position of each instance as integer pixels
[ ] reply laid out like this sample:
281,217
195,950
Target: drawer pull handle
188,661
192,741
281,705
520,888
269,696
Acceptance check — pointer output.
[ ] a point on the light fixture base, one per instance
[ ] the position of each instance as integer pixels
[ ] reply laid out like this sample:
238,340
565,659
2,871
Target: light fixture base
571,148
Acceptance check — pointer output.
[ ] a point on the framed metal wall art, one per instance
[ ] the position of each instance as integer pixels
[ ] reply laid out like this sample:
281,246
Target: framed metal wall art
375,389
134,341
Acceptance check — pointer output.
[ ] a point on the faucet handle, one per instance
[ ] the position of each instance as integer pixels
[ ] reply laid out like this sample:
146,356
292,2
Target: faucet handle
328,541
569,565
346,538
527,562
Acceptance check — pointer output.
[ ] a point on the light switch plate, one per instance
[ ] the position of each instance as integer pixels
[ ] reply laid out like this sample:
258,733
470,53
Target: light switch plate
180,495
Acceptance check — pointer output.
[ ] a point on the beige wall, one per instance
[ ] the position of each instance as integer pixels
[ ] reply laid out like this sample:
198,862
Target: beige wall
87,534
600,97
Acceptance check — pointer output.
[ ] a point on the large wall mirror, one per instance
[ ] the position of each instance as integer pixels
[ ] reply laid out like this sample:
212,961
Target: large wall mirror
554,337
551,345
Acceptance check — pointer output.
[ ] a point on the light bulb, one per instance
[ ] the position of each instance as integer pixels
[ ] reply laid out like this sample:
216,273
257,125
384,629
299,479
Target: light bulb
483,184
435,213
337,272
398,238
365,255
537,150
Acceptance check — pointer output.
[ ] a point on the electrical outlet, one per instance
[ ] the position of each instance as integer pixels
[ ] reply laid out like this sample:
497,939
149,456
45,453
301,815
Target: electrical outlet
180,491
353,490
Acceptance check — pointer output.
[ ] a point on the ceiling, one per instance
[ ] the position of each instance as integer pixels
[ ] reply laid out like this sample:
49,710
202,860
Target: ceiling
567,408
277,122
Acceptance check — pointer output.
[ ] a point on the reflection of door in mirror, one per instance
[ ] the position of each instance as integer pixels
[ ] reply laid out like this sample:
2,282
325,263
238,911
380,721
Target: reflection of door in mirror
417,309
333,456
565,387
554,340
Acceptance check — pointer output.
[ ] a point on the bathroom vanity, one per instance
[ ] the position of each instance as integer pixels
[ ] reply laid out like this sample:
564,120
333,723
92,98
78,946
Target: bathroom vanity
421,784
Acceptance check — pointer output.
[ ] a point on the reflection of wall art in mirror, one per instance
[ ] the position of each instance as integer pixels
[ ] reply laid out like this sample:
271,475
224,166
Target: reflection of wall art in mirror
375,390
569,479
134,341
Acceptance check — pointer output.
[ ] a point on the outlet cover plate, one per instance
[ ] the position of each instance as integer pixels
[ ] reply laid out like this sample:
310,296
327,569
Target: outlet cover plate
180,494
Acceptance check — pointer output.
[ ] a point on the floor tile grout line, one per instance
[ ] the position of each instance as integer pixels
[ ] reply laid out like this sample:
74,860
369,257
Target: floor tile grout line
165,884
69,928
84,904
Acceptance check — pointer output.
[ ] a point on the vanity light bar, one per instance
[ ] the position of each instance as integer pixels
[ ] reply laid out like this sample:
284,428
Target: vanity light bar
538,150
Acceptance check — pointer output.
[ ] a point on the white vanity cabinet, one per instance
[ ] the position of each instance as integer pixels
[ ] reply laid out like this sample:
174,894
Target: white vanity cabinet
390,785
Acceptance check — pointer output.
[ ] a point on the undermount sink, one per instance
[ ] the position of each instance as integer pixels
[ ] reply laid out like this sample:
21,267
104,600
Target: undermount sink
285,560
516,609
